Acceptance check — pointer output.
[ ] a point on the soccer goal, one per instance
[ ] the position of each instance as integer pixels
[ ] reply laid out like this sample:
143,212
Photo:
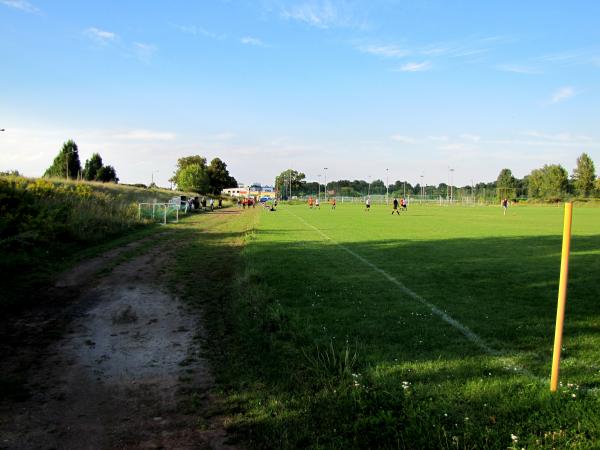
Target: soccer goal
158,212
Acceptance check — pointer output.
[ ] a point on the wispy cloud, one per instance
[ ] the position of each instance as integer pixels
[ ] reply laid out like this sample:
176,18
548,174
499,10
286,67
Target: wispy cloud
526,70
198,31
580,56
144,52
558,137
403,139
470,137
323,14
415,67
145,135
249,40
102,37
21,5
563,94
387,51
438,138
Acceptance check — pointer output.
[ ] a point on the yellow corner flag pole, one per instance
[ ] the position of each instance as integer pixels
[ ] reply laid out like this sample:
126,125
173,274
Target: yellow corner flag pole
562,296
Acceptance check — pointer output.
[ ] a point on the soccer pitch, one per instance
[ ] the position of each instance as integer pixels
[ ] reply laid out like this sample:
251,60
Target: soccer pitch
456,305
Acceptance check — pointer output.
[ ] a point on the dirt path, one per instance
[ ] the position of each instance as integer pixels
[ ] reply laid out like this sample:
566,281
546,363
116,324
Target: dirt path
112,380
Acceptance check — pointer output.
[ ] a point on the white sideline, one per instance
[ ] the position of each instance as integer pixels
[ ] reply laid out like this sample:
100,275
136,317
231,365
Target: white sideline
434,309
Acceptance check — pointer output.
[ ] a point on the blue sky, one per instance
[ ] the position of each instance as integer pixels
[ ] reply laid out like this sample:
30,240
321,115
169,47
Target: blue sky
358,87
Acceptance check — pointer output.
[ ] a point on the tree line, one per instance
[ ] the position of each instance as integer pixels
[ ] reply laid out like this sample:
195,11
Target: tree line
192,173
67,165
550,182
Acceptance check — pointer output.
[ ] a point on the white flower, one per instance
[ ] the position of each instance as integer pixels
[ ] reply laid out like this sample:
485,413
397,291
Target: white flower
514,437
573,395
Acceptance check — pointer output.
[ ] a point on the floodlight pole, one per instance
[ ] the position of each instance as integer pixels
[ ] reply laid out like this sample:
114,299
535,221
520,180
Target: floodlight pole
369,188
451,181
153,172
325,169
387,186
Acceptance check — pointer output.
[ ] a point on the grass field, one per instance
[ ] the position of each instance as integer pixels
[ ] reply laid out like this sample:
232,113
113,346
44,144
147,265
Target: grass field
433,329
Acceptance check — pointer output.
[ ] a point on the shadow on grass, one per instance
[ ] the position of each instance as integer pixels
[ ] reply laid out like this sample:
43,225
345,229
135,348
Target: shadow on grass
296,298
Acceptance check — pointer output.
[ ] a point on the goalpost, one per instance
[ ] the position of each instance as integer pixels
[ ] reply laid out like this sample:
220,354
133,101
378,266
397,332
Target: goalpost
158,212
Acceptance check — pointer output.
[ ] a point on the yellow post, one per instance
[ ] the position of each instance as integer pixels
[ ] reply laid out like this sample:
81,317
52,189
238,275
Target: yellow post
562,296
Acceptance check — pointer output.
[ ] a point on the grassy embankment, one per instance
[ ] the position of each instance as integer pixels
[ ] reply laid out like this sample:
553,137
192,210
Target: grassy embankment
315,347
46,224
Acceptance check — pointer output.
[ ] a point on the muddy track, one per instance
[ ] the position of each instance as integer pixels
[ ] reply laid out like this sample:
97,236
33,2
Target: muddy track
115,372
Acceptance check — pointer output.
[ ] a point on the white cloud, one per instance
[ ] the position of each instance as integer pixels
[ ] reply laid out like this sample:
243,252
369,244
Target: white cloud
101,36
144,52
470,137
249,40
323,14
415,67
438,138
198,31
145,135
558,137
21,5
518,69
403,139
562,94
387,51
454,146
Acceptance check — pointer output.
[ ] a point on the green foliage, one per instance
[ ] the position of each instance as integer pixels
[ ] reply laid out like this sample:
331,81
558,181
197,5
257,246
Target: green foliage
192,174
92,166
550,182
219,177
66,164
182,163
46,221
107,174
505,179
584,175
10,173
289,178
193,178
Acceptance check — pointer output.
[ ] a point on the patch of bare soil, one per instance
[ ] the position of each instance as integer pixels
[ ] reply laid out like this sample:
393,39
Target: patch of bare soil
116,376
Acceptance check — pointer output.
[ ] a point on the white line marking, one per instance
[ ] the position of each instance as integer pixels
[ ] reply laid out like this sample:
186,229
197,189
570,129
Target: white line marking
434,309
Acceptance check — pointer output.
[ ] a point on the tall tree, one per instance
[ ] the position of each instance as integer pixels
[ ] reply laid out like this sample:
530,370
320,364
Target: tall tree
219,177
506,184
505,179
193,178
551,181
66,164
92,166
289,178
107,174
584,175
186,161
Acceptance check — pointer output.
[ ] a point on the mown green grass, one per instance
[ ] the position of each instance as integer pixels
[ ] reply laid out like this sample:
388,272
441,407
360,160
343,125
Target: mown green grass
417,382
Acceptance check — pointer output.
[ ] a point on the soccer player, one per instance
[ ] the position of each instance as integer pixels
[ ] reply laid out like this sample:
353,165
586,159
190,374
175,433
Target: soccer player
395,210
404,204
368,204
333,203
505,205
310,202
317,205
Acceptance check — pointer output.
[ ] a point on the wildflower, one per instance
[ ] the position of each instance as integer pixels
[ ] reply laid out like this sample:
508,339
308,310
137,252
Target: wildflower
573,395
514,438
